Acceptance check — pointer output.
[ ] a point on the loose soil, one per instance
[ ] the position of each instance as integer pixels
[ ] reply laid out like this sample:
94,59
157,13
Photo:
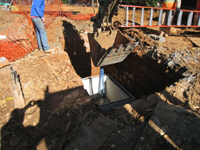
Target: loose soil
164,78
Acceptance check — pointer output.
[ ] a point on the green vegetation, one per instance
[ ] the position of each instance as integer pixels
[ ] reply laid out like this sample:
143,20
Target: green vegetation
151,3
65,1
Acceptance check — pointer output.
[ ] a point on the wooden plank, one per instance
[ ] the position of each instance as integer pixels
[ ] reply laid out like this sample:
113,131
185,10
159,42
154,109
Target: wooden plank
17,90
94,135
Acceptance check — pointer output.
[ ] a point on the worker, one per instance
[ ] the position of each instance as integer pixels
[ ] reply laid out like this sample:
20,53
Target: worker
37,16
168,4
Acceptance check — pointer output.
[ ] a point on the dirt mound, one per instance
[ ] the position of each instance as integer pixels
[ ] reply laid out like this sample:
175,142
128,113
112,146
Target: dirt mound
6,19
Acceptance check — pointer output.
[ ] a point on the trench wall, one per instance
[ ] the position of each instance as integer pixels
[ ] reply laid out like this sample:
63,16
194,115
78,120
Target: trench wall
142,75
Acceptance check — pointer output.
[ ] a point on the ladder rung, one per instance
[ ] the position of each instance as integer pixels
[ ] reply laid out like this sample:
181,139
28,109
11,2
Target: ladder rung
142,17
169,15
169,20
151,17
189,21
198,20
160,17
179,18
126,16
133,16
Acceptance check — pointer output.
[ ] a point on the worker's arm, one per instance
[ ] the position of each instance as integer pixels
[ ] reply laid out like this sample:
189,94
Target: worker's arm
107,9
178,4
159,3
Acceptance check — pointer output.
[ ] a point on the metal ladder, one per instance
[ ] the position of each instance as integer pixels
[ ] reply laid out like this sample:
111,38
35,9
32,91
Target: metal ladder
150,24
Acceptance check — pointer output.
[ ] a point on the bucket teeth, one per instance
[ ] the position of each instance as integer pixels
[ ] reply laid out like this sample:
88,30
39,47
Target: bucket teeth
120,47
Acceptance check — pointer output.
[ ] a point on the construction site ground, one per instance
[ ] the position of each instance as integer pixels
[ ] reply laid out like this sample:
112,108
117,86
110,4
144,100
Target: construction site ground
60,115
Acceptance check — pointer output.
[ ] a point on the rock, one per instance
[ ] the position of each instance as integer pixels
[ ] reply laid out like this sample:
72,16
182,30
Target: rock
142,119
71,96
14,140
3,62
171,64
142,139
119,132
180,93
113,146
42,145
157,38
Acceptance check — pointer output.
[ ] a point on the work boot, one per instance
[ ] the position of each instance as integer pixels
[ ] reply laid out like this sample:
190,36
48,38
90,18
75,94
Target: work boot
49,51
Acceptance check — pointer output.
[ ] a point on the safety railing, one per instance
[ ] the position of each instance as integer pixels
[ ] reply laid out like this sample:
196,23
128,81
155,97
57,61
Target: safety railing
189,13
19,39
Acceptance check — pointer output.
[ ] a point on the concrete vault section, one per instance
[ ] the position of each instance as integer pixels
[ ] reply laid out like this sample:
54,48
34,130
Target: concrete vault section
115,94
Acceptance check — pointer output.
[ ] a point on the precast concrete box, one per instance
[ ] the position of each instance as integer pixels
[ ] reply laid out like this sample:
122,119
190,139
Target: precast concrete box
115,94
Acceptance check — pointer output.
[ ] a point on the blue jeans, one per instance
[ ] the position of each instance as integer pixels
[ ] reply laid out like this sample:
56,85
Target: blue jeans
41,34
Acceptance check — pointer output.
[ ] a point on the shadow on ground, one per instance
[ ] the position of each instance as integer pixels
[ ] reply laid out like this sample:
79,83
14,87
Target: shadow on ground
74,46
41,124
169,126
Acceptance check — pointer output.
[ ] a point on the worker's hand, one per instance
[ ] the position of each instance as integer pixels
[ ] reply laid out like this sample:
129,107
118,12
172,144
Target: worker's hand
178,9
43,19
158,5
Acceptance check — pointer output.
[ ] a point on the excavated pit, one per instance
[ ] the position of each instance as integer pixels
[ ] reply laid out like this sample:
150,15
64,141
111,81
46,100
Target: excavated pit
133,78
139,74
145,70
142,75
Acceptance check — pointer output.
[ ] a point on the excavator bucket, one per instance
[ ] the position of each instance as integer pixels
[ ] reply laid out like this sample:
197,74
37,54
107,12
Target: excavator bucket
110,47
